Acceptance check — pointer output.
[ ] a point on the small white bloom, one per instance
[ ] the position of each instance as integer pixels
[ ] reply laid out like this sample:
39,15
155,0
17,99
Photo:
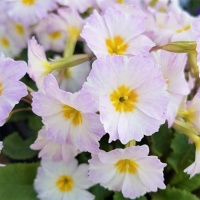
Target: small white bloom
61,181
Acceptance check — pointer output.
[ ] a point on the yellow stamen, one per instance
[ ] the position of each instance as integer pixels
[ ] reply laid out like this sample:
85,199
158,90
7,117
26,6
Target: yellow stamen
189,115
152,3
65,183
120,1
19,29
185,28
126,165
28,2
5,42
72,114
116,45
123,99
55,35
1,88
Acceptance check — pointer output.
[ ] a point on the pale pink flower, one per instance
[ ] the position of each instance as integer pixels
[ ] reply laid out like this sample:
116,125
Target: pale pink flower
194,168
190,111
129,170
62,181
39,67
29,12
51,33
105,4
11,89
172,66
173,26
130,94
68,117
72,22
108,34
52,150
8,45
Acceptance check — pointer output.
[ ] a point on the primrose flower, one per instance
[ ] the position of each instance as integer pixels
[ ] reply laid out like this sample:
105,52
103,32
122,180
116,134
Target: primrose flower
8,45
160,6
78,5
62,181
173,26
129,170
190,111
131,96
19,32
51,33
11,89
29,12
39,67
172,66
73,23
3,12
194,168
108,34
52,150
104,4
81,126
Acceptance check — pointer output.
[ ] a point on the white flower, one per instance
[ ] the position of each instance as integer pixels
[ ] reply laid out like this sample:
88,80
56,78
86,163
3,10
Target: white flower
129,170
61,181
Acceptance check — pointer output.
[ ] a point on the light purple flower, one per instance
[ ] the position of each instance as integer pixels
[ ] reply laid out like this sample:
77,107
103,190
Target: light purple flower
129,170
11,89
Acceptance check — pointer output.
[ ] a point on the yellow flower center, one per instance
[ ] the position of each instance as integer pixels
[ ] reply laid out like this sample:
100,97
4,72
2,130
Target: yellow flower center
189,115
185,28
116,45
123,99
5,42
126,165
65,183
162,9
47,67
74,31
55,35
1,88
19,28
120,1
28,2
72,114
152,3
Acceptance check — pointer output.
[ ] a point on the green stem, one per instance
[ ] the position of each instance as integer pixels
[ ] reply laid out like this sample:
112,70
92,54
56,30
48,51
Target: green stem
18,110
130,144
186,129
69,47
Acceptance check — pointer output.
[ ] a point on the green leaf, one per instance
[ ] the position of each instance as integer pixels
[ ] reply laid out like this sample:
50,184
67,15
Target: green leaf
178,178
35,122
173,194
100,192
17,148
182,181
161,141
17,181
119,196
183,152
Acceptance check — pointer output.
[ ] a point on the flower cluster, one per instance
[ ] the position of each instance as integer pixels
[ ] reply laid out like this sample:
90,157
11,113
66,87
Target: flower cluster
138,70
